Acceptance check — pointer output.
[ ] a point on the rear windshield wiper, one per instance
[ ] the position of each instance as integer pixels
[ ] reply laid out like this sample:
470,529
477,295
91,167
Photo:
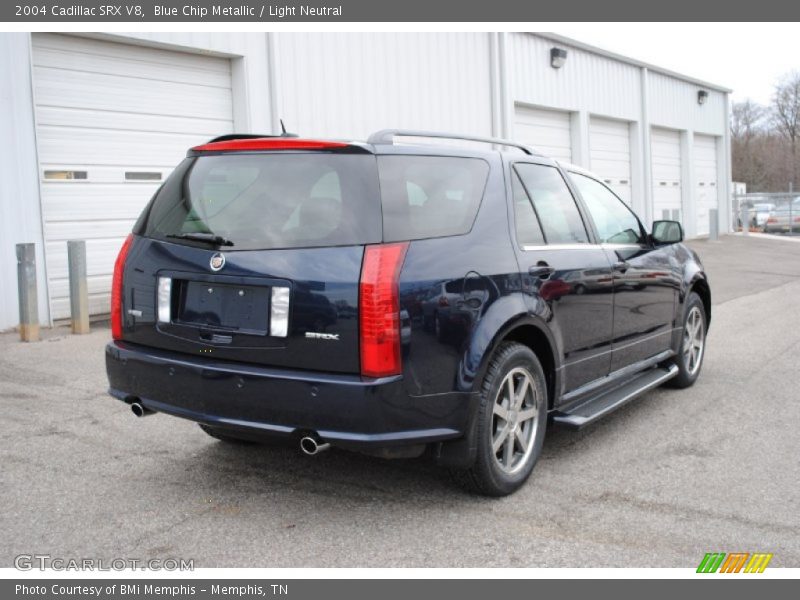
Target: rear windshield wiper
199,236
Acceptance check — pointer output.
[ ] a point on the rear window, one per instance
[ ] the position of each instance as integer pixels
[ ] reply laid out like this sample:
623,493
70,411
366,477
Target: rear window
266,201
430,196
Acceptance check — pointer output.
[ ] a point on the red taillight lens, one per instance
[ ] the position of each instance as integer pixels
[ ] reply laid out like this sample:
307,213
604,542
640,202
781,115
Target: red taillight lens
443,301
772,220
116,289
379,309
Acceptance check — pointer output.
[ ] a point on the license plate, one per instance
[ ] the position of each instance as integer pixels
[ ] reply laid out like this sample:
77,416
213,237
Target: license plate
223,306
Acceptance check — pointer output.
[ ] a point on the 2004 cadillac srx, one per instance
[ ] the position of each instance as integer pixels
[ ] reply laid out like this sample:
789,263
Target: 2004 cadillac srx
392,298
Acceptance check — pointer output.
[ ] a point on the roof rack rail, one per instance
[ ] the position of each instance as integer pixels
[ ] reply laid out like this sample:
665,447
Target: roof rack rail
386,136
248,136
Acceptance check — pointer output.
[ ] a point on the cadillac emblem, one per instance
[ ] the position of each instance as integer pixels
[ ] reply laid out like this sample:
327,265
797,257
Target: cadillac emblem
217,261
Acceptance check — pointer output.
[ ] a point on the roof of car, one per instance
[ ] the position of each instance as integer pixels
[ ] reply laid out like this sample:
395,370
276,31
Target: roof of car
378,142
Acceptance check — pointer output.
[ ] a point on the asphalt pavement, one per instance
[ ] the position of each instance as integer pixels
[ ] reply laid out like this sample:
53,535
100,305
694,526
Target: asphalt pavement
669,477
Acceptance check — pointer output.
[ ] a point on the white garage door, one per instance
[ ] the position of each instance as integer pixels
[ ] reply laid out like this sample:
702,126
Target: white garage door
610,154
665,151
546,130
705,179
113,120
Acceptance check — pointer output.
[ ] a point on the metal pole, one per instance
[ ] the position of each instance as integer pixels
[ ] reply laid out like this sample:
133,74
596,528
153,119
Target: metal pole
28,299
78,288
743,218
713,225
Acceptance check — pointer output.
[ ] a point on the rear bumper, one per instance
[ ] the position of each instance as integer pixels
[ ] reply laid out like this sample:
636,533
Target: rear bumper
345,410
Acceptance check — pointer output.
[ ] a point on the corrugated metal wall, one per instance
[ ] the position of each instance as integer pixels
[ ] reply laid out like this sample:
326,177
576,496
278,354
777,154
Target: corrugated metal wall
351,84
673,103
600,85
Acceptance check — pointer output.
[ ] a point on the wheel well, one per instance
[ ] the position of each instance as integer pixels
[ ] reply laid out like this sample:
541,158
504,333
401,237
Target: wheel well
535,339
701,288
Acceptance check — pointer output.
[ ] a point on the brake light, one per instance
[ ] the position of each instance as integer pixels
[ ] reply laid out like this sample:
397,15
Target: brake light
797,219
379,309
268,144
772,220
443,301
116,289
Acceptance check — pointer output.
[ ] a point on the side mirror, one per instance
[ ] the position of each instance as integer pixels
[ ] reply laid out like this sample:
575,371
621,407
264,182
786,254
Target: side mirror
667,232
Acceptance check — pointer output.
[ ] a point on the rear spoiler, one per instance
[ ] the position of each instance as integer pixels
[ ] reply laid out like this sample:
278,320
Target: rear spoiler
268,143
248,136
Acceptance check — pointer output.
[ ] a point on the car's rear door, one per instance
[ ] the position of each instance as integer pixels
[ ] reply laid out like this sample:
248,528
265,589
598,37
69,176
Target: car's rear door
285,293
646,277
562,268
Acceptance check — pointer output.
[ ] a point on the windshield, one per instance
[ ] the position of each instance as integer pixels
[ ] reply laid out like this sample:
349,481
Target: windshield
266,201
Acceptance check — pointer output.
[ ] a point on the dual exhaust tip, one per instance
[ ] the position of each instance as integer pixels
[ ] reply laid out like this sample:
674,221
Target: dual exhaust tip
140,410
310,444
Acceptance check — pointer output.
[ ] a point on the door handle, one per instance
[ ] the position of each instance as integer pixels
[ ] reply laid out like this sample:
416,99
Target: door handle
541,270
621,266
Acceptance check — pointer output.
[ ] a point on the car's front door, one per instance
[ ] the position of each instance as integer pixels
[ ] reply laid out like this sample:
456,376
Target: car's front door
567,277
645,276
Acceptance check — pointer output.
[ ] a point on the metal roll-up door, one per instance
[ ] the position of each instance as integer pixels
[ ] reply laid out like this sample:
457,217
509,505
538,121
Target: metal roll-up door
546,130
113,120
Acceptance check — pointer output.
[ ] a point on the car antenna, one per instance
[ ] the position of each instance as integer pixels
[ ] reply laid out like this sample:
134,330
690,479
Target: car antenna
285,133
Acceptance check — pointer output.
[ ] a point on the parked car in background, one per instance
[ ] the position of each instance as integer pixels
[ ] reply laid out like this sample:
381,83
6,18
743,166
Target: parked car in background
761,212
785,218
272,288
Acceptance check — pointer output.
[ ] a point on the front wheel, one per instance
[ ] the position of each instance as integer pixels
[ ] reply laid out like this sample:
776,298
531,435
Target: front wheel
512,417
693,343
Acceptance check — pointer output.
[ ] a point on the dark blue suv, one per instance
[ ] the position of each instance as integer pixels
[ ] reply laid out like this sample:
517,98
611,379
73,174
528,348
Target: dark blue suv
391,298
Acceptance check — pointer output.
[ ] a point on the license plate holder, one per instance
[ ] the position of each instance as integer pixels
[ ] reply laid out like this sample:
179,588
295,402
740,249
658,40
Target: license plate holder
225,307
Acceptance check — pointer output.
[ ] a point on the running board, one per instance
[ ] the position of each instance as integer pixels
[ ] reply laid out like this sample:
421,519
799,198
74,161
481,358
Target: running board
595,408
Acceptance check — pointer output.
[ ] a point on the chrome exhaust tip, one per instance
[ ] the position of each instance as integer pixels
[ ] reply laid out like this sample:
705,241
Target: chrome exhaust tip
311,445
140,410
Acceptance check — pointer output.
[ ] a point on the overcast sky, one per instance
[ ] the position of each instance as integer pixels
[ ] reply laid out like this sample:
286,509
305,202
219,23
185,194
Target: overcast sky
747,58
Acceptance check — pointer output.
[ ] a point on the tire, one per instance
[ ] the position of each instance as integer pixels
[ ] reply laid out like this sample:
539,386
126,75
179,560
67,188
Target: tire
689,362
493,475
223,436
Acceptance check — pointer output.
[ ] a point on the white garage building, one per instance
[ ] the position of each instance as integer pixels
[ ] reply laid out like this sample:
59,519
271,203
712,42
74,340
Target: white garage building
92,124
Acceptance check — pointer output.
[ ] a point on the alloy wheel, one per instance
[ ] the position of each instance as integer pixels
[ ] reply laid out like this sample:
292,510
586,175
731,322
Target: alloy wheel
693,340
515,420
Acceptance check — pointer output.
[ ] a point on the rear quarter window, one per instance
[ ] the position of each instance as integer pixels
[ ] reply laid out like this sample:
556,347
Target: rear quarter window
430,196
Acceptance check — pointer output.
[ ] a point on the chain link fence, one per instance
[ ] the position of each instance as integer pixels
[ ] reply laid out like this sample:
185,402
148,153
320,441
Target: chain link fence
767,213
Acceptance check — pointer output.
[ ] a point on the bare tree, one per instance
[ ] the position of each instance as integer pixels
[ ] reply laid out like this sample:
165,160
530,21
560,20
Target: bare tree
746,120
748,132
786,116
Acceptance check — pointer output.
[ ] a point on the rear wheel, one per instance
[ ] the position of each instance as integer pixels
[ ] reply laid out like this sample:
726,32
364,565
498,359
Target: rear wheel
512,416
693,343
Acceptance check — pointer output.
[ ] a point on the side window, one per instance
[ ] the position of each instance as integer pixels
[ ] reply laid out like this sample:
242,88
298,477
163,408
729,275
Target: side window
528,230
558,214
615,222
430,196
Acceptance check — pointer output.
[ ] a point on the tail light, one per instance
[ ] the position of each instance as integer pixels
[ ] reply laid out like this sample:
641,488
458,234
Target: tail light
116,289
443,301
797,219
379,309
772,220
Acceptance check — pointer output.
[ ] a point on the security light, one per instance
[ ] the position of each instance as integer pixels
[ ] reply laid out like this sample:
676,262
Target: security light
702,96
558,57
